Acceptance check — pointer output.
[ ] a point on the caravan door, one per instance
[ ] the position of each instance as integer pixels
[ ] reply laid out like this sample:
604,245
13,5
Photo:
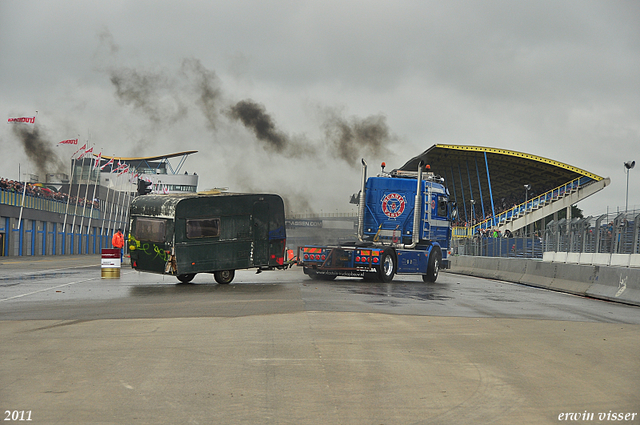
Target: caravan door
260,225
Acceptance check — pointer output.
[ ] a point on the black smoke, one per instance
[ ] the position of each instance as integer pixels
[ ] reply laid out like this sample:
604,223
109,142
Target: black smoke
255,117
207,89
164,97
39,150
353,138
149,92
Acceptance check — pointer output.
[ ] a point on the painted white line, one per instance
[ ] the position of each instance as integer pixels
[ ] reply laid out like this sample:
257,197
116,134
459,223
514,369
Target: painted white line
53,287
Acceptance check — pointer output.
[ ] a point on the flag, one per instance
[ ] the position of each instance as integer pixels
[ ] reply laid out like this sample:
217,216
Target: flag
25,120
110,162
121,166
90,150
68,142
98,160
124,170
81,149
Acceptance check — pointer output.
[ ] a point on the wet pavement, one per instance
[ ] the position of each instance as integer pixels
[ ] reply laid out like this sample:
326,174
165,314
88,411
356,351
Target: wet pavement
74,285
277,347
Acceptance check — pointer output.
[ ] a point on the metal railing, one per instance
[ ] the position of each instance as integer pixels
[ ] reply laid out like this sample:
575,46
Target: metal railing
615,233
531,247
8,197
526,207
320,215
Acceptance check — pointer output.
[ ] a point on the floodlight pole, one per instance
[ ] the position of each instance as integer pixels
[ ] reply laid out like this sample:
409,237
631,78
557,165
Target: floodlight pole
527,187
626,199
473,213
628,166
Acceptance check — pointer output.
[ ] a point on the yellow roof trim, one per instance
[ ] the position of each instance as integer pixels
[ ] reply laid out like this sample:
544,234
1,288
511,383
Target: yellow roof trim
521,155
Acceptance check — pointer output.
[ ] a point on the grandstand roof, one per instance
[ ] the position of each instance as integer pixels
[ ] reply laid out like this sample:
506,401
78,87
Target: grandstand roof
509,171
148,158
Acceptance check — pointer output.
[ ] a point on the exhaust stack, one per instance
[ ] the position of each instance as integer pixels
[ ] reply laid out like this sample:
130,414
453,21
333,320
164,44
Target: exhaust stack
361,202
415,237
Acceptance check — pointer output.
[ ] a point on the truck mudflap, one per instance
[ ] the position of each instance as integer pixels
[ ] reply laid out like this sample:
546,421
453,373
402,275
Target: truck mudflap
332,273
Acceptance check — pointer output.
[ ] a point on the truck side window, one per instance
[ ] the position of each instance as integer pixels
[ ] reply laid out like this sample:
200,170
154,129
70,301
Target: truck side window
150,230
442,207
203,228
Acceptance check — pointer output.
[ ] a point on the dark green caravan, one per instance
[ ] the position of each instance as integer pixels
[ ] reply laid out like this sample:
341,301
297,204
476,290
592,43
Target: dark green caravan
212,232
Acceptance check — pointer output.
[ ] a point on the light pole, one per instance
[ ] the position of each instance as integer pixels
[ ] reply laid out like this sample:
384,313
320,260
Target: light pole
527,188
473,213
628,166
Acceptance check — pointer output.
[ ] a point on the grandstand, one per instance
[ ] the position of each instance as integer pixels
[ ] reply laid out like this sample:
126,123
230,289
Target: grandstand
503,189
79,214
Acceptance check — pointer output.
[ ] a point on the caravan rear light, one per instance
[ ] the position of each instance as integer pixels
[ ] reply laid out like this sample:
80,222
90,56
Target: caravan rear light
317,257
306,256
323,257
375,260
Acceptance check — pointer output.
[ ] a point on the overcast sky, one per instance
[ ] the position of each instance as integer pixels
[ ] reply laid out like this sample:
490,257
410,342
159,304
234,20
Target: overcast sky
287,96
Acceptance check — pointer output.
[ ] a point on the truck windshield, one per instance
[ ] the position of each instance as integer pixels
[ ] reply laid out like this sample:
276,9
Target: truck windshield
150,229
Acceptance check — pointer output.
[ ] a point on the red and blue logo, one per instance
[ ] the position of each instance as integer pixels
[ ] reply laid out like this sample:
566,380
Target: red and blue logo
393,205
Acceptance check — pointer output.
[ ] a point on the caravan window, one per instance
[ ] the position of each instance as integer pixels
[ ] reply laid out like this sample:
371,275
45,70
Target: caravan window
203,228
150,230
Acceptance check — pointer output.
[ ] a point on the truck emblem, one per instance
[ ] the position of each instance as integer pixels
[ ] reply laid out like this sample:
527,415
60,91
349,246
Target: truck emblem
393,205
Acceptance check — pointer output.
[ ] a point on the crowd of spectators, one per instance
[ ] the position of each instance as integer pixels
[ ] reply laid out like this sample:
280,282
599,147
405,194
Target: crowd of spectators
504,204
493,233
47,193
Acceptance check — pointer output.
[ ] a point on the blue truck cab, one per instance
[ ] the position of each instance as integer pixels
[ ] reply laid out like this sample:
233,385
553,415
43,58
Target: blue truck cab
404,227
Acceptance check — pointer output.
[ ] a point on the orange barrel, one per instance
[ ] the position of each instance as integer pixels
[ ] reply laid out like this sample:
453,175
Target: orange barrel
111,263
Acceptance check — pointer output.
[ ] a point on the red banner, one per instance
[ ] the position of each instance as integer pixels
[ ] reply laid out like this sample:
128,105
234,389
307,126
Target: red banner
26,120
69,142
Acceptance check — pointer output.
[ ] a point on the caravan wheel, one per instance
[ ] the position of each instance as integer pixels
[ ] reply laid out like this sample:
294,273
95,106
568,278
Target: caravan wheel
186,278
225,276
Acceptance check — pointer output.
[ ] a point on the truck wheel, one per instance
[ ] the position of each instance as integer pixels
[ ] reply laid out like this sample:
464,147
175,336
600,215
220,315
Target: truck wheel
186,278
224,277
387,268
433,268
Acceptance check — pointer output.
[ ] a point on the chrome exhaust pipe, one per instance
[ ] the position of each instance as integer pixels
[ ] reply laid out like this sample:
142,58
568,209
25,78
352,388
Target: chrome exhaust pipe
361,202
415,237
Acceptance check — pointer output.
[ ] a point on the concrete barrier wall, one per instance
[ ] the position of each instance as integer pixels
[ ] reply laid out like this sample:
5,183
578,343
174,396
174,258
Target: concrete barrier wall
620,284
596,259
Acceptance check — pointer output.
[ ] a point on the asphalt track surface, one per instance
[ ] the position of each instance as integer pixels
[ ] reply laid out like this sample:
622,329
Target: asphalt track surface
278,348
